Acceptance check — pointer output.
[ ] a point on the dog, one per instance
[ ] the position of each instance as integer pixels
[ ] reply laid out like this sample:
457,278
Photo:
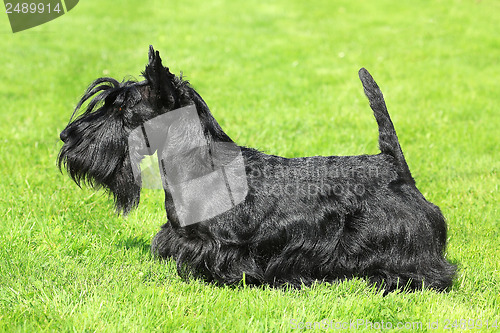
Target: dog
237,215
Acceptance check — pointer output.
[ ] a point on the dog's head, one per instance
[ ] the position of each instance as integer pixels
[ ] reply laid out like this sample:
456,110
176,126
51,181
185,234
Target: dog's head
95,150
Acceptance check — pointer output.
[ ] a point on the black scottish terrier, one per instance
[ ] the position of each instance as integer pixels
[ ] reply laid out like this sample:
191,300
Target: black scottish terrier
236,214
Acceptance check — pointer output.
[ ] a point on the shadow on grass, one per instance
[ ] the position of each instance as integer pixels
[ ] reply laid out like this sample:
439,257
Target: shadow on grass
135,242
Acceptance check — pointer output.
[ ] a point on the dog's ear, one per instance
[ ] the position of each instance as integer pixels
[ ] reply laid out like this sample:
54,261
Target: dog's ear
155,69
160,79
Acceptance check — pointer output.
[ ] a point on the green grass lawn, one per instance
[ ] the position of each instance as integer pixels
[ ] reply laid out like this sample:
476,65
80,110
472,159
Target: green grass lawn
280,76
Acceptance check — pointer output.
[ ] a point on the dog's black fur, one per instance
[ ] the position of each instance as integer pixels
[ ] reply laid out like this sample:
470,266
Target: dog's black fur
302,220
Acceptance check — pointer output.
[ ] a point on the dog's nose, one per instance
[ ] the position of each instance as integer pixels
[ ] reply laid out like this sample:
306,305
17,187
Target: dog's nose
64,135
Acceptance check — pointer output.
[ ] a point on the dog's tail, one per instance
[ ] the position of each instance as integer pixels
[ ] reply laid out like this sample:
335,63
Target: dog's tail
388,140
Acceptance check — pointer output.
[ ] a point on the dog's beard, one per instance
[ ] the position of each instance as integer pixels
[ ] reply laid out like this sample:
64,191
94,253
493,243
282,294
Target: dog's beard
95,154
